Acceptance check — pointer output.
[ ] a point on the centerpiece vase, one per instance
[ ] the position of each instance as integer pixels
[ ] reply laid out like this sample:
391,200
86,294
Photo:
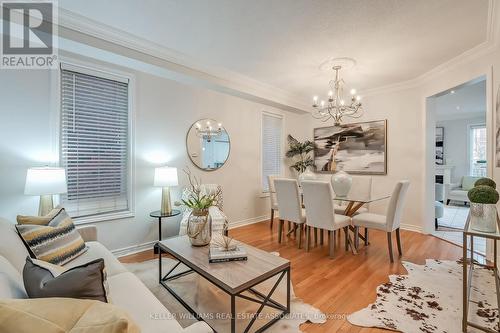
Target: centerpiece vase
483,217
199,227
341,183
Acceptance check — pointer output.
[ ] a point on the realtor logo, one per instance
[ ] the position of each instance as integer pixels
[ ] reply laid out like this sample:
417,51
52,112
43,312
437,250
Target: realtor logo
28,35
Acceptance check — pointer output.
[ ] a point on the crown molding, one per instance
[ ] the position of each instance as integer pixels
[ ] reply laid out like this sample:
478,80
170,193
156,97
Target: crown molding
218,78
490,45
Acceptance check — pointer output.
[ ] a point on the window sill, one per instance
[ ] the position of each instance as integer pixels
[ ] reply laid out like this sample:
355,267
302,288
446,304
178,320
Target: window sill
103,217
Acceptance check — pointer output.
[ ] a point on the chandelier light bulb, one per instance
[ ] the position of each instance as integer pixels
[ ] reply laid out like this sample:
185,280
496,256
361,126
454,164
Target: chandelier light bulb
315,99
220,125
208,123
330,93
322,103
198,125
358,98
353,91
342,102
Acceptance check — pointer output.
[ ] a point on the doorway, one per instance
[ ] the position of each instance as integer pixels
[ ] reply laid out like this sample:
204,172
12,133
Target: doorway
461,146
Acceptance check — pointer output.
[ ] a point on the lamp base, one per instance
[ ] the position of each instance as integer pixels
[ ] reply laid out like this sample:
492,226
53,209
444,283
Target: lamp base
166,206
46,205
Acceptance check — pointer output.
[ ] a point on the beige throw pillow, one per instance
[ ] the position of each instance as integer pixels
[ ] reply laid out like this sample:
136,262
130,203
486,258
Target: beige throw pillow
63,315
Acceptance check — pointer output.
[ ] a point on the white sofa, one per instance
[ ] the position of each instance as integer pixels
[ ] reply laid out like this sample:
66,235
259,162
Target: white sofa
125,289
458,191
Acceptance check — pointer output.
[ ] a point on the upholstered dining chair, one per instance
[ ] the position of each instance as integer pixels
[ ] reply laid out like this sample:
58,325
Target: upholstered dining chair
361,188
289,206
272,197
320,210
389,222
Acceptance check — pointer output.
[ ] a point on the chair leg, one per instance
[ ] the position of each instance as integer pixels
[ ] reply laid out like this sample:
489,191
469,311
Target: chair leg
366,237
389,243
320,236
356,237
346,238
398,239
331,243
436,225
315,236
308,237
300,235
272,219
448,202
280,230
289,225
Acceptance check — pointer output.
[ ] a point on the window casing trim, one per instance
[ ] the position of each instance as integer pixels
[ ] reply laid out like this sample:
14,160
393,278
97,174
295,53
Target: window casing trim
109,73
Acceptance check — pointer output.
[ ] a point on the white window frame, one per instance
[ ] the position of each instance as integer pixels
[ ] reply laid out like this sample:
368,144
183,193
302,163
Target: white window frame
106,72
265,193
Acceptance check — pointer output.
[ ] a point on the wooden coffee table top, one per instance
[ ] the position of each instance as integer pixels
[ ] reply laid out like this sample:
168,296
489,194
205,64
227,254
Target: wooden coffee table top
234,276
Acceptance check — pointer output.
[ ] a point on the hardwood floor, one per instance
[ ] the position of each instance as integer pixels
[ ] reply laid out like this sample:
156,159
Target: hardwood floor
346,283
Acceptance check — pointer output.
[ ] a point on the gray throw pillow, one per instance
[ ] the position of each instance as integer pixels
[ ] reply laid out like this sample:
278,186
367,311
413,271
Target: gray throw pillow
87,281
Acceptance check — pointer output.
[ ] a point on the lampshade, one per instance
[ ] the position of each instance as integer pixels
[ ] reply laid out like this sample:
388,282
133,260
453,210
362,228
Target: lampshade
44,181
166,176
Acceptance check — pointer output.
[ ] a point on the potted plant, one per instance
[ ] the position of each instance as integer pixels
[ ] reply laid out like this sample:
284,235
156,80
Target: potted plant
483,197
199,226
298,152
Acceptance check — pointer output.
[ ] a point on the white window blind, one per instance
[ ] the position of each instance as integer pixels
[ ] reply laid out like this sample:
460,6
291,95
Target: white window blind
94,142
271,147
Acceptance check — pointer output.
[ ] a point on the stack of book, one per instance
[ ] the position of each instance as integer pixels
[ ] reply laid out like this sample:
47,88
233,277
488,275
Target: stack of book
218,254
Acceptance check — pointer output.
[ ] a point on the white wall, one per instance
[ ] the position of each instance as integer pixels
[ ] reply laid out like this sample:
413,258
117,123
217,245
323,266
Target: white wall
164,112
456,138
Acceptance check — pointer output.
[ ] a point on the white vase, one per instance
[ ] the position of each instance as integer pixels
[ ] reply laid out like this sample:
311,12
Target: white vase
341,183
483,217
306,175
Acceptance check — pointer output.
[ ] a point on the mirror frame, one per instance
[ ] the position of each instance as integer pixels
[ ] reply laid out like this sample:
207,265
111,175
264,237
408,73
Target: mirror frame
187,147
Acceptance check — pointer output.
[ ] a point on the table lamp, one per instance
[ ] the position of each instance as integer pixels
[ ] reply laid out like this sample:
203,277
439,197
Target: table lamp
45,182
166,177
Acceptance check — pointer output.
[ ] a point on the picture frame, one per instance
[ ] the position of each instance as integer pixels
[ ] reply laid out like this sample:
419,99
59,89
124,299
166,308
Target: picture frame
356,148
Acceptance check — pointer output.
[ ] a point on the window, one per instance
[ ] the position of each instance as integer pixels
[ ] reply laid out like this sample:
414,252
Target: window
95,141
271,147
477,155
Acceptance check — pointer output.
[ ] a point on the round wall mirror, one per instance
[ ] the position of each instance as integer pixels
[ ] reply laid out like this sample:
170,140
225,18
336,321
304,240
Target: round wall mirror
208,144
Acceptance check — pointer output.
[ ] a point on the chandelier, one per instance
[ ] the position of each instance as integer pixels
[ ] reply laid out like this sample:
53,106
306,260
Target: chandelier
336,107
207,131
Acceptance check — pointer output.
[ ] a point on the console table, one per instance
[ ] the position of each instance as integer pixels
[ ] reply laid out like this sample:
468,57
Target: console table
468,268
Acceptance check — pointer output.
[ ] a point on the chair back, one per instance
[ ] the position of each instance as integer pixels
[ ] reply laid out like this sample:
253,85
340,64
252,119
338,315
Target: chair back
318,200
395,208
439,192
287,195
272,191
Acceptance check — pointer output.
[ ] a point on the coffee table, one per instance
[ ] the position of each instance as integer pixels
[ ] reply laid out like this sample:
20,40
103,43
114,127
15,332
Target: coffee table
236,278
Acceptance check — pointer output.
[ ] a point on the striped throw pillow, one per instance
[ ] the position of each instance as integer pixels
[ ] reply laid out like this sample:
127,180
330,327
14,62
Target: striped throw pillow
57,242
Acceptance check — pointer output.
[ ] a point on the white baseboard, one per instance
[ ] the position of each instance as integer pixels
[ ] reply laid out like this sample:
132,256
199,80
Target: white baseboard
252,220
125,251
411,227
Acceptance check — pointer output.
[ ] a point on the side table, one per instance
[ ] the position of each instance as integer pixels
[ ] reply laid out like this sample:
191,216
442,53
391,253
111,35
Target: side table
159,215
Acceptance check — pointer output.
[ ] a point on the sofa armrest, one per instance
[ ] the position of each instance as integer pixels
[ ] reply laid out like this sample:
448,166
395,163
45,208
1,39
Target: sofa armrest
88,233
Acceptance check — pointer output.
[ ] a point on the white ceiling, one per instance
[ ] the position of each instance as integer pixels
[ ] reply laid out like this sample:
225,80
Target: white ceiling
466,101
282,42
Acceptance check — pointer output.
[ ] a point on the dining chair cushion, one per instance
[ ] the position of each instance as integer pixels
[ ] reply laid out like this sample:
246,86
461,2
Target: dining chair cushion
341,221
370,220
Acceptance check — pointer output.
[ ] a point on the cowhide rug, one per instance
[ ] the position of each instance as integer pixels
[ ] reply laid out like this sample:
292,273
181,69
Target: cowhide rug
429,300
214,304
